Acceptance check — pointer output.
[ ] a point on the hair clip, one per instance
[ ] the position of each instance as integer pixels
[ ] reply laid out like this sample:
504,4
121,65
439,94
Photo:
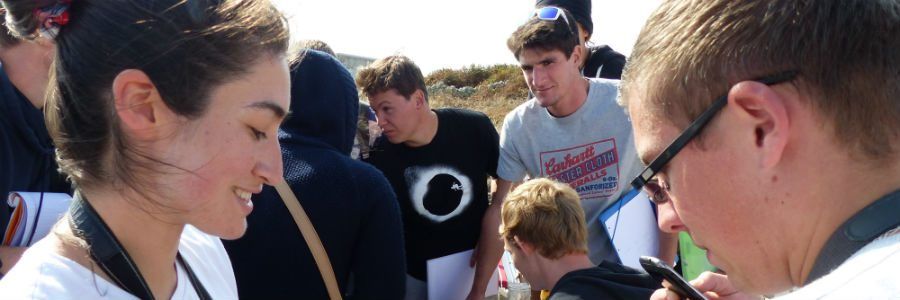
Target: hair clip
53,17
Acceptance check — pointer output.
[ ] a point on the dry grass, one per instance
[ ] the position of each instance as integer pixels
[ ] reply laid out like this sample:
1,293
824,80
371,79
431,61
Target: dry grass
496,109
494,90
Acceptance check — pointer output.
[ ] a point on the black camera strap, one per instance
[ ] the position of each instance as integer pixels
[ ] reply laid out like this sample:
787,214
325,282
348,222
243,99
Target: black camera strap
861,229
109,254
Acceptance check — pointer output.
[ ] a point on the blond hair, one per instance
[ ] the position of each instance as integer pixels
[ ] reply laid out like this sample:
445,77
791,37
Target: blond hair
846,52
546,214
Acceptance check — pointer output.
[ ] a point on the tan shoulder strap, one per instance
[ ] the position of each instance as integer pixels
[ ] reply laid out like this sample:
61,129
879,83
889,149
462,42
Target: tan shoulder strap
311,237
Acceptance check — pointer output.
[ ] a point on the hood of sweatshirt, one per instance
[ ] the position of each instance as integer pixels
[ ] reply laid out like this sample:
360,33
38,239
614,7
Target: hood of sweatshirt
324,105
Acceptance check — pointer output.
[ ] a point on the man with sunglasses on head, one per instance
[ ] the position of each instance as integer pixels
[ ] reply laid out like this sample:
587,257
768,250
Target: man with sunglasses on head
772,133
599,61
572,131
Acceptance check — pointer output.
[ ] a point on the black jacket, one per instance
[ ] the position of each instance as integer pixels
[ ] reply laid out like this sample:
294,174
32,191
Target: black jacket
603,62
605,281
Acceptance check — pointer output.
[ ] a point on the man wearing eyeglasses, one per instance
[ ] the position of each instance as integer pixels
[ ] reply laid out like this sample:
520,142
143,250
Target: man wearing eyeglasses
572,131
772,133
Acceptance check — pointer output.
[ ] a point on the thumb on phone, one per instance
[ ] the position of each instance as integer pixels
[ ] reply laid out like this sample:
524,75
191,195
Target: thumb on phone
720,286
664,294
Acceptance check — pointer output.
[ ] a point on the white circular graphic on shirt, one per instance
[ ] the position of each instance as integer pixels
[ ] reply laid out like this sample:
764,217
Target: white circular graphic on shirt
438,193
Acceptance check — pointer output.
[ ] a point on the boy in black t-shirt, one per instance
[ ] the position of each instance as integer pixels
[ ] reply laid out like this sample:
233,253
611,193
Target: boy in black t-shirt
437,162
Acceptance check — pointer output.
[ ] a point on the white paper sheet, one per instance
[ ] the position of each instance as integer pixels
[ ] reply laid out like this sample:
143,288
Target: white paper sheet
38,216
450,277
631,224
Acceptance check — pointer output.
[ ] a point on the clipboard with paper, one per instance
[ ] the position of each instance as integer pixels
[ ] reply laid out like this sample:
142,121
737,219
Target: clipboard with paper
631,225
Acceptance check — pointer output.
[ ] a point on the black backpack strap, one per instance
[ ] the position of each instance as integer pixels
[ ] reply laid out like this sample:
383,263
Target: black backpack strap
112,258
857,232
106,250
198,287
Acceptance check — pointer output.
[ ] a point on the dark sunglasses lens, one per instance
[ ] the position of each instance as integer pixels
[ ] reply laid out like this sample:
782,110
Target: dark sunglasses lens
548,13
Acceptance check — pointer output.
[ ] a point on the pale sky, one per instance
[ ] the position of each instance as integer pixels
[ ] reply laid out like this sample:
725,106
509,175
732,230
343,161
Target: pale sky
445,34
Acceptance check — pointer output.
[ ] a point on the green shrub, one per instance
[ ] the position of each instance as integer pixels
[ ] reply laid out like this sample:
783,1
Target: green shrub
504,73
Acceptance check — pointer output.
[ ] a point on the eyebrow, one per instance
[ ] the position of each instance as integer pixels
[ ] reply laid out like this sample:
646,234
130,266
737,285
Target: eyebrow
646,158
277,110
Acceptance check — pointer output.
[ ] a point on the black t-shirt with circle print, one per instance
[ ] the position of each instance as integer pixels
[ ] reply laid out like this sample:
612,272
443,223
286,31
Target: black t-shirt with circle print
442,186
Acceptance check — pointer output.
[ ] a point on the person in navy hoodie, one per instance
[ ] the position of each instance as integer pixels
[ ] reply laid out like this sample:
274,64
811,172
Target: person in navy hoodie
350,203
26,152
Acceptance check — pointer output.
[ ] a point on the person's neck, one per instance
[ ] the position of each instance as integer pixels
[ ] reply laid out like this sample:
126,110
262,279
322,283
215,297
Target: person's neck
573,100
554,269
839,197
584,57
425,133
150,241
31,62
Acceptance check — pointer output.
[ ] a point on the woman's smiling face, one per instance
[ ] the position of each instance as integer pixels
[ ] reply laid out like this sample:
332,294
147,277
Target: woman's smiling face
228,153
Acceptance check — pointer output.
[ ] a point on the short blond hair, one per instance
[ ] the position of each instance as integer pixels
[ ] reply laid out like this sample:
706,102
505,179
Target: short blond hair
846,52
546,214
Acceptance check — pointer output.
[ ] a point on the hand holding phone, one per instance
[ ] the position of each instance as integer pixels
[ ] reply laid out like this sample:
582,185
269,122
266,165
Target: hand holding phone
661,270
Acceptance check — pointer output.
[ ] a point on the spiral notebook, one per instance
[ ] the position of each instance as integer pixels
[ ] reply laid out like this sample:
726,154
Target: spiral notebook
33,215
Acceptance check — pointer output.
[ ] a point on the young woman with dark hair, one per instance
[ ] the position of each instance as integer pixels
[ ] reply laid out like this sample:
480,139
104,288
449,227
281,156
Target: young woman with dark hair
164,114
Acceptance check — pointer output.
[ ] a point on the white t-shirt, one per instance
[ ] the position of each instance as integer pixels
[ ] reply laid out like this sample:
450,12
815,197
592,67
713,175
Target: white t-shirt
871,273
592,150
43,274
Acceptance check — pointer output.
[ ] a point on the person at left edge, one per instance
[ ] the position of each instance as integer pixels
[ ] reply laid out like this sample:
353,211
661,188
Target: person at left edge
27,161
166,125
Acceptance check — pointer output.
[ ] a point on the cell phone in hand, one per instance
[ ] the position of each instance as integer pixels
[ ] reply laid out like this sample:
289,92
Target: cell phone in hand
660,270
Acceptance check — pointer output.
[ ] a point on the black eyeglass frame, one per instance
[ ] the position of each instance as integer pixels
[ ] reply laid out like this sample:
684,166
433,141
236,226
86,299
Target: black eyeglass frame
694,129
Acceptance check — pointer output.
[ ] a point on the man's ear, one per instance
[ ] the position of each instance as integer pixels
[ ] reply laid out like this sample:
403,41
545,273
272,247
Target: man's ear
766,111
526,247
139,106
419,97
577,54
